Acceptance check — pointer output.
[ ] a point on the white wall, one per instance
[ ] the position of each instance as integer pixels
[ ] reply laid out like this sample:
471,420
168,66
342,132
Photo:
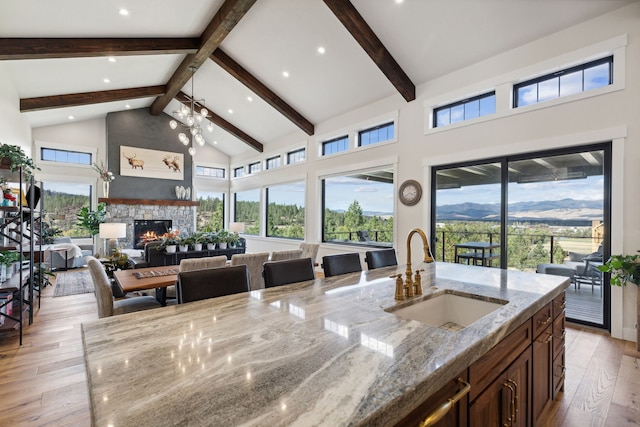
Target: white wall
610,115
14,127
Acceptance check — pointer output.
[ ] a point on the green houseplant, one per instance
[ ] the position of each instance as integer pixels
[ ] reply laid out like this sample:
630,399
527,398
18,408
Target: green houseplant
14,157
624,269
91,220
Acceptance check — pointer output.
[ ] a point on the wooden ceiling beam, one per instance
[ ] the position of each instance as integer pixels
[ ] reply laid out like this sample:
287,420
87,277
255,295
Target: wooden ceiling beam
220,26
219,121
87,98
46,48
364,35
270,97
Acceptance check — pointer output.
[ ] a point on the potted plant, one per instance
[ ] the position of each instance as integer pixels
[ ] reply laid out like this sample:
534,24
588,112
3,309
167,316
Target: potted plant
624,269
211,240
91,220
7,259
186,243
14,157
199,239
42,275
222,238
232,239
169,241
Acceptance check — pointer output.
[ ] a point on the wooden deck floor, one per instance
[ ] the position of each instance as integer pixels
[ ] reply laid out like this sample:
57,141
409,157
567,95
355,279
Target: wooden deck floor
43,383
585,304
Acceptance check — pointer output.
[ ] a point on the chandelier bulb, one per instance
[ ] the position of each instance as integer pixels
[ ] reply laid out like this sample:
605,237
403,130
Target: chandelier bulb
192,151
190,120
204,112
210,127
173,124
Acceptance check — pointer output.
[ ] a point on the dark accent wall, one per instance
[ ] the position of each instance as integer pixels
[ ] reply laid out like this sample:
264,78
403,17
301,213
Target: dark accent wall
138,128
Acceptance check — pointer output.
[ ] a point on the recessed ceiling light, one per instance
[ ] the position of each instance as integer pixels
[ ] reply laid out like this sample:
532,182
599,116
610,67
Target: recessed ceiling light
250,99
127,106
71,117
215,142
106,80
321,50
285,74
112,59
399,1
230,111
123,12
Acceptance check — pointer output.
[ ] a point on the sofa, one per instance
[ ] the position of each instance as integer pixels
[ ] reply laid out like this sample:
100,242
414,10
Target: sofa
65,254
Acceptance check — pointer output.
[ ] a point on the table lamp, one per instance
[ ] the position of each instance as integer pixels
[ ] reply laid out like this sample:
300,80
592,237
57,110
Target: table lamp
236,227
111,232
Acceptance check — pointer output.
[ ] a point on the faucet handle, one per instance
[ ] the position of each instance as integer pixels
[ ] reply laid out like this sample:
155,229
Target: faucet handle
399,286
417,284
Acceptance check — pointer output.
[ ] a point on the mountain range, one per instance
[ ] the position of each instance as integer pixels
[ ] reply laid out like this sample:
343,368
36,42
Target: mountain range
554,210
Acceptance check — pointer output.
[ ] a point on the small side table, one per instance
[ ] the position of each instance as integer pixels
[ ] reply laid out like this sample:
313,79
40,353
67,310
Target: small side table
66,259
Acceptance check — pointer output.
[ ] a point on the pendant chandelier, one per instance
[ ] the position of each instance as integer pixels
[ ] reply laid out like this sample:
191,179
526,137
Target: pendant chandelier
192,119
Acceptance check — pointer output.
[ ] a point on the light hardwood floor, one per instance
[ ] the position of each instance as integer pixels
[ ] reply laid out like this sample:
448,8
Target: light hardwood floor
43,383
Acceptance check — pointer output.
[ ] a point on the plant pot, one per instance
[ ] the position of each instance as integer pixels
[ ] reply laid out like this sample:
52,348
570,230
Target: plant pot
211,246
170,249
183,248
197,246
9,271
222,245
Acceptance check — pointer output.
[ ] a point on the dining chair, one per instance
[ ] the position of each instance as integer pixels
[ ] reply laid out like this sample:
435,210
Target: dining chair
104,295
334,265
284,255
191,264
214,282
381,258
254,263
310,250
277,273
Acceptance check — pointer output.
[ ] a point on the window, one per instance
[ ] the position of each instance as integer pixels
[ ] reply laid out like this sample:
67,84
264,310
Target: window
238,172
335,145
210,172
62,202
296,156
254,167
273,162
65,156
285,210
465,110
358,208
567,82
376,134
210,212
247,210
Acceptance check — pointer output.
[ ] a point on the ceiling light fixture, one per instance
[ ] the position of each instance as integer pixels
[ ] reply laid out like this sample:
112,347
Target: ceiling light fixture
111,59
192,119
321,50
123,12
285,74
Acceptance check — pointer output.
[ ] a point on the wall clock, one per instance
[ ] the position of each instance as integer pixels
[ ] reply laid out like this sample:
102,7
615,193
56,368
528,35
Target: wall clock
410,192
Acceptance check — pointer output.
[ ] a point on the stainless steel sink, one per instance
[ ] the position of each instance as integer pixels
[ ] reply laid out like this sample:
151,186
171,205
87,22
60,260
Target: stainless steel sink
449,310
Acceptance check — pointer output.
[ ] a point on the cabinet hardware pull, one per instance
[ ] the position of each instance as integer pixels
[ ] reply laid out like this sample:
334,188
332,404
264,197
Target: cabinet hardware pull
547,340
515,399
562,336
512,417
442,410
562,372
563,305
544,322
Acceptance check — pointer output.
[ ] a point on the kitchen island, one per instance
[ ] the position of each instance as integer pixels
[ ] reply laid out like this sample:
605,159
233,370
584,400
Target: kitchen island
322,352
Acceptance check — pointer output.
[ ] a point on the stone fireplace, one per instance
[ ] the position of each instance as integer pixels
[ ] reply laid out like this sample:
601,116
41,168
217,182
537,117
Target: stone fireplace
148,230
181,213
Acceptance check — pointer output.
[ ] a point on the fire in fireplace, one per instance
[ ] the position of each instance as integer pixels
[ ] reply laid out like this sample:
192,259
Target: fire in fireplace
148,230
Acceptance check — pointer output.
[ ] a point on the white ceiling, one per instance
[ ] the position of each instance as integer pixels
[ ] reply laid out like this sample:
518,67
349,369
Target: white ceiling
428,38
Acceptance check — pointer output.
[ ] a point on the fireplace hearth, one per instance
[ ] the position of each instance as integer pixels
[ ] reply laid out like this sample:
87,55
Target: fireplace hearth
148,230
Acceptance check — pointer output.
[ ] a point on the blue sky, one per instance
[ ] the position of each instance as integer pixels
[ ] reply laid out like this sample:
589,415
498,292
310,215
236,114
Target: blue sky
371,195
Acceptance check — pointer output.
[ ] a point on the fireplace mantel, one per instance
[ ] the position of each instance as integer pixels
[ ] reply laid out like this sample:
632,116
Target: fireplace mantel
116,201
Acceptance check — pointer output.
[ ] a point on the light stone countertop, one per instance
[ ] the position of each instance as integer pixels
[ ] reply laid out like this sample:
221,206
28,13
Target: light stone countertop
321,352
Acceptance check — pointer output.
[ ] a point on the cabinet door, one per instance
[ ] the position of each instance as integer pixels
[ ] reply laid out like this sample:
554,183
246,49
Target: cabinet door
455,417
493,407
519,377
542,356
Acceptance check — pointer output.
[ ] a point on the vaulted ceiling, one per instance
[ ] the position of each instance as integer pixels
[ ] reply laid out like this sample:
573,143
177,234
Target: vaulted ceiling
59,53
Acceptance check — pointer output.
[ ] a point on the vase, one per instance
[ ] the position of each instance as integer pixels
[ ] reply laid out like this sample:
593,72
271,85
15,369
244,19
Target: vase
171,249
183,248
105,189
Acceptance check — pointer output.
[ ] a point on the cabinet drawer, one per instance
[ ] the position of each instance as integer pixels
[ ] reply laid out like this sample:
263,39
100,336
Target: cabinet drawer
558,374
558,334
559,304
542,319
496,360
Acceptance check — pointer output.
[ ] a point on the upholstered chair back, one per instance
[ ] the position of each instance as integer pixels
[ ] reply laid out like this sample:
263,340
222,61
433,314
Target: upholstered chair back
284,255
334,265
212,282
310,250
102,285
191,264
277,273
254,263
381,258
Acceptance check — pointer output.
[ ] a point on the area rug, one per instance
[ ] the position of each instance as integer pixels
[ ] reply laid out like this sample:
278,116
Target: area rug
73,283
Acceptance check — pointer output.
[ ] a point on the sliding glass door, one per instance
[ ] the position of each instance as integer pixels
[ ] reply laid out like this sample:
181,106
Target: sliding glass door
548,211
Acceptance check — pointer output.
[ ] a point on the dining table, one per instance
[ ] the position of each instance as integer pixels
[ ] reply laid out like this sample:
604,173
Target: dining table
140,279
